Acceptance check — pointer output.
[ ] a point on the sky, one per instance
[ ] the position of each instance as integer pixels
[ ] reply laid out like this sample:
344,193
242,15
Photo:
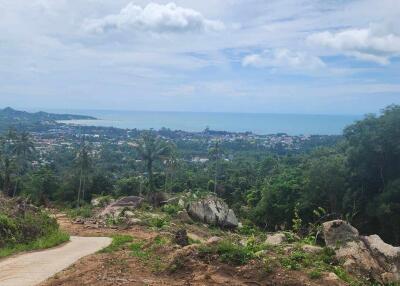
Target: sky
272,56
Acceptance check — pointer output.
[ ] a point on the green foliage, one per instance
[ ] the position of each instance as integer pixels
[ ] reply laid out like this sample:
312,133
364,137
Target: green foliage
171,209
229,252
8,230
158,222
84,211
296,221
147,252
118,241
50,240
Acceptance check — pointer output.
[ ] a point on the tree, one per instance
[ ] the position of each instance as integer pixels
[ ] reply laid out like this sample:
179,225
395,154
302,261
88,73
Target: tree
171,165
215,154
151,149
84,164
22,150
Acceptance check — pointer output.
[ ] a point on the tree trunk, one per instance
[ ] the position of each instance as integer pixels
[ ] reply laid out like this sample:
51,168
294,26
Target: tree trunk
79,190
216,177
15,188
83,189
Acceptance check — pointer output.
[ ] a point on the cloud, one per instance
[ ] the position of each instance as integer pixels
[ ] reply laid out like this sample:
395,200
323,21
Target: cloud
377,43
154,17
283,58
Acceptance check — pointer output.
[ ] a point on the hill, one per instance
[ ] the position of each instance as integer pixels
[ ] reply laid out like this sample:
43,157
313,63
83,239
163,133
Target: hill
10,117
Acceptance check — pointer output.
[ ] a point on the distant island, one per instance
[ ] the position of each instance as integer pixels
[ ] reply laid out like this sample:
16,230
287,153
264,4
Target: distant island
10,117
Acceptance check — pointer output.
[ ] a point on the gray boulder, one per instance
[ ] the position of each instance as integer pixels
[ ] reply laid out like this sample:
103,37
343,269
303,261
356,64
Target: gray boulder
276,238
213,211
367,256
126,203
338,232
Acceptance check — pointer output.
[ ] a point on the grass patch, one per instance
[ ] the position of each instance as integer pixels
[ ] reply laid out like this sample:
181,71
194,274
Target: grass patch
83,211
50,240
148,253
117,243
228,252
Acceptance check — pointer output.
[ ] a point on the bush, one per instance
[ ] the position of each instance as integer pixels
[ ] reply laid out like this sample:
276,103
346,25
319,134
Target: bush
228,252
158,222
171,209
8,230
84,211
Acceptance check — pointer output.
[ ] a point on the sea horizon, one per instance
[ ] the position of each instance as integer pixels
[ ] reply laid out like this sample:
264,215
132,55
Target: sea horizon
258,123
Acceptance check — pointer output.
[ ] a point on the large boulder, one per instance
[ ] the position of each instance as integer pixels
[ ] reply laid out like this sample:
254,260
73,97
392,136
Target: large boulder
338,232
126,203
213,211
366,256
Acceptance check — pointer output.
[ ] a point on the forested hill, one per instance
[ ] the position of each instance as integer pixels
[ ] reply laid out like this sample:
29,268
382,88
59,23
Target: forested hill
10,117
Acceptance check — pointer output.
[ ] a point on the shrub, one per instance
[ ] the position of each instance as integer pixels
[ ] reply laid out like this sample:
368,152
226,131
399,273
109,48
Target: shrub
158,222
84,211
8,230
171,209
228,252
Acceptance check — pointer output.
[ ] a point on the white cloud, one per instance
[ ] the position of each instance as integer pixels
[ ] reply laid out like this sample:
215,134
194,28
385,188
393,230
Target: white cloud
155,18
377,43
283,58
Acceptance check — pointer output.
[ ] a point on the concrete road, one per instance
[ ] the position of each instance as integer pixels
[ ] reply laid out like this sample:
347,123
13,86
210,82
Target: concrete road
35,267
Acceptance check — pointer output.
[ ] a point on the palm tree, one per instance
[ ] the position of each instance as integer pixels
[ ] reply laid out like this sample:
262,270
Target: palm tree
151,149
171,163
84,163
215,154
22,149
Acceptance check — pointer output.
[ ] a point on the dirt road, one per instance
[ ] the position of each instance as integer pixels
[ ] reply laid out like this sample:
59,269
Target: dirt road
35,267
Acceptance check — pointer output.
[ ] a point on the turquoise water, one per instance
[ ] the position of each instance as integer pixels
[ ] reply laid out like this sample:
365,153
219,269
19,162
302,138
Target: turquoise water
293,124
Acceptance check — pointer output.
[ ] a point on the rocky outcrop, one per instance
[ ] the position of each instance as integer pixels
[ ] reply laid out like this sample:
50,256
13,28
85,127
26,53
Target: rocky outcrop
367,256
213,211
126,203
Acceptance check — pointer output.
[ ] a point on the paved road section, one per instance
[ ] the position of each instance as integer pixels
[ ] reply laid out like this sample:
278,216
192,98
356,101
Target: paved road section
33,268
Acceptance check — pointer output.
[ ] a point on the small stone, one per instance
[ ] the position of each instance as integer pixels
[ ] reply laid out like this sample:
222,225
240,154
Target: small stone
214,240
313,249
276,239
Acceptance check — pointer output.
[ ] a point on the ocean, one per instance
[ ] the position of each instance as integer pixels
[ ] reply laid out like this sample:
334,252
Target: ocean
292,124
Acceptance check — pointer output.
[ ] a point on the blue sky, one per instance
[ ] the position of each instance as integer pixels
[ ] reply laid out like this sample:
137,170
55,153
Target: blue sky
280,56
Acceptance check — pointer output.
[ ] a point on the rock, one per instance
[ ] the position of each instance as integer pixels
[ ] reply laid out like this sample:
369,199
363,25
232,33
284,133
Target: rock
135,221
181,237
358,260
386,255
214,240
129,214
338,232
101,201
331,279
380,248
213,211
79,220
183,216
181,203
276,238
132,201
367,256
313,249
126,203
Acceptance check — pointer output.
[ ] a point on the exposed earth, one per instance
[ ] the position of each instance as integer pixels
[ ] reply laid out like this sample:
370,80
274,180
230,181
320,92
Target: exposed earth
121,268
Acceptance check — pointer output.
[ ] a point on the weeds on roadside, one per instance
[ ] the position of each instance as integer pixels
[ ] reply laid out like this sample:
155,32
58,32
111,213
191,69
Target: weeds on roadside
117,243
